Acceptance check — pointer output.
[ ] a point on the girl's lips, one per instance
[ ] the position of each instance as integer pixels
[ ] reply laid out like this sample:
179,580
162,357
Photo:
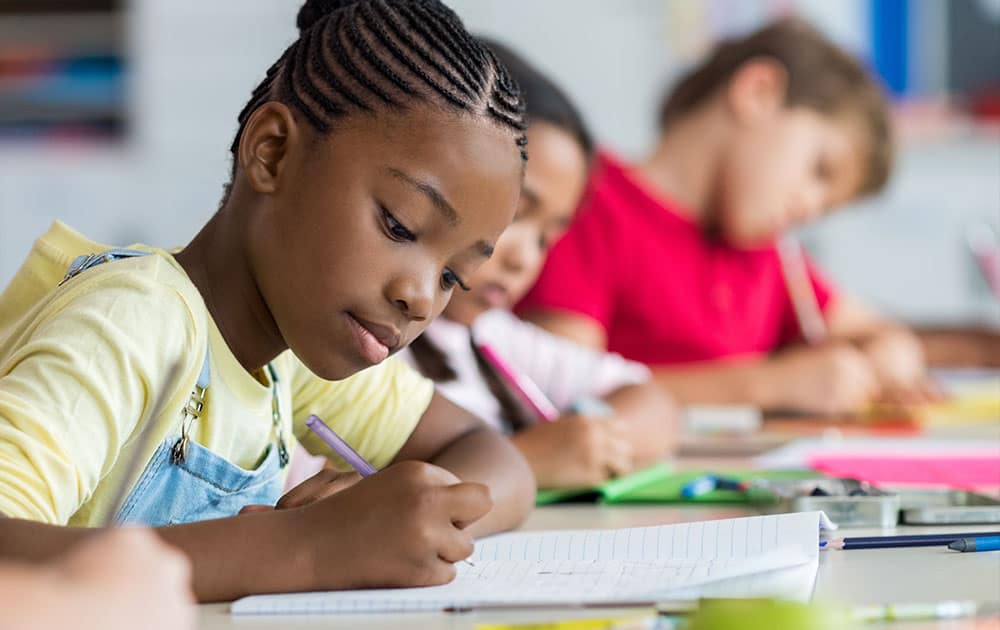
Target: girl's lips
371,347
495,295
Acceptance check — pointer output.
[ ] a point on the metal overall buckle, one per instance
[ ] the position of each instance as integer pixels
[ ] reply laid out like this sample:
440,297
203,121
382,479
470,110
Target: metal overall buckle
192,411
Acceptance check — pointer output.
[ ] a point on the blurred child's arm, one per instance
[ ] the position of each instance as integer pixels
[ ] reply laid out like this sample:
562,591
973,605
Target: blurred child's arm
105,582
833,379
961,346
452,438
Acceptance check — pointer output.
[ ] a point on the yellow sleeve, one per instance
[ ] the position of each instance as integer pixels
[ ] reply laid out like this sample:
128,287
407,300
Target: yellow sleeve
375,410
74,387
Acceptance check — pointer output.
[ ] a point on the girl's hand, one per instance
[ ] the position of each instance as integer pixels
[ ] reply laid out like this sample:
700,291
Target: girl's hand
833,379
402,526
325,483
899,363
125,578
576,451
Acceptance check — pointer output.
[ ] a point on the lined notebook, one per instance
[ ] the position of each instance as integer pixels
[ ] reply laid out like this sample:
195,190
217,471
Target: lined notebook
774,555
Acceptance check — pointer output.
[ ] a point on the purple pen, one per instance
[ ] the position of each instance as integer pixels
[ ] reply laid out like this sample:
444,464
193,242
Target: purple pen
340,447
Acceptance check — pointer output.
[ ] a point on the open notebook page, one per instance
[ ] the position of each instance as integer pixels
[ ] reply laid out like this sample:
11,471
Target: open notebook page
774,555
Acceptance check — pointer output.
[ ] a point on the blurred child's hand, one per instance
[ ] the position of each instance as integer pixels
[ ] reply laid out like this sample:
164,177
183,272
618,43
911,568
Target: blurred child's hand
576,451
898,360
402,526
834,379
126,578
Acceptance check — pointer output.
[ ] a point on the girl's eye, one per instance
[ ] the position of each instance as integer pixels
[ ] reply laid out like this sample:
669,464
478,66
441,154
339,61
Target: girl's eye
397,231
449,280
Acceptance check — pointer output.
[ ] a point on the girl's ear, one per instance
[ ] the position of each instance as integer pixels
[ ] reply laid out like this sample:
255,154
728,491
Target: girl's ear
265,144
757,90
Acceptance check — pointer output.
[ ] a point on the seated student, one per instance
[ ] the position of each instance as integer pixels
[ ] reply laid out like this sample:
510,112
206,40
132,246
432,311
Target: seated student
578,449
122,579
374,169
673,261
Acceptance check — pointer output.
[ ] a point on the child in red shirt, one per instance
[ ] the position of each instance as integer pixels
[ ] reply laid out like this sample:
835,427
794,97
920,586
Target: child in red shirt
673,261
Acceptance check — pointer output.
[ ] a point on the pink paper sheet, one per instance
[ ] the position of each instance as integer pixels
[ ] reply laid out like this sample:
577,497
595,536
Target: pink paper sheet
974,471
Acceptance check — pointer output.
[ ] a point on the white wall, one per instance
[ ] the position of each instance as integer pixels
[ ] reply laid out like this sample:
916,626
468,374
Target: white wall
195,64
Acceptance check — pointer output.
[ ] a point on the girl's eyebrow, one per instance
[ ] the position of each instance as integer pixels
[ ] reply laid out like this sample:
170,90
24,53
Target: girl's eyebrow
484,249
437,198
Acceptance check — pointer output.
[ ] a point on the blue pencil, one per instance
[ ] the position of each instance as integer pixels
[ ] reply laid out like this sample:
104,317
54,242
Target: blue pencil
982,543
912,540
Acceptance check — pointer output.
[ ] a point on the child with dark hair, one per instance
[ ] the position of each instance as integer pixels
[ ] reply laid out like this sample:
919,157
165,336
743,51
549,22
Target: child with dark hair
374,169
580,448
674,260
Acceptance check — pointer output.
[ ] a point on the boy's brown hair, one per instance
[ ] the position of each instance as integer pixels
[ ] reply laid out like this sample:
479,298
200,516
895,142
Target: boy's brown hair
821,76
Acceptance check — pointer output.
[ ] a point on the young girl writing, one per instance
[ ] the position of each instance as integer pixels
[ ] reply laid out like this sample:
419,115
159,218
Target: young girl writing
579,448
374,169
673,261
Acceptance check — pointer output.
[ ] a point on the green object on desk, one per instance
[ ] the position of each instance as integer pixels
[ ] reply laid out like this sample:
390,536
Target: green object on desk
661,484
611,491
768,614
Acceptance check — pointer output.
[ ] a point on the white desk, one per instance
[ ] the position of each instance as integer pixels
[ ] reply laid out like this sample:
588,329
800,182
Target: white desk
920,574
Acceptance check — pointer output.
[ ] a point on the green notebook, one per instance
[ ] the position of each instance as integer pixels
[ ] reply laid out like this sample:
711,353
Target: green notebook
660,484
610,491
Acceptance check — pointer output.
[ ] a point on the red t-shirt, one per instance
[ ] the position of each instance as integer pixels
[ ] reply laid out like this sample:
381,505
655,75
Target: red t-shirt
663,291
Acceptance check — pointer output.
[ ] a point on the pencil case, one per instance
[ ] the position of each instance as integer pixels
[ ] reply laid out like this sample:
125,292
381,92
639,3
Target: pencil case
848,502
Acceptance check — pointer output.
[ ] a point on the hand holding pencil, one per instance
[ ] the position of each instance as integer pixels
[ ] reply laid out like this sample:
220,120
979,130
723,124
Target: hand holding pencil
417,512
404,526
577,450
830,379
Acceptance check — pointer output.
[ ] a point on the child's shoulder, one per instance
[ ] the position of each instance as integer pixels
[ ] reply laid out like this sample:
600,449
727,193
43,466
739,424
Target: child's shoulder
148,287
620,204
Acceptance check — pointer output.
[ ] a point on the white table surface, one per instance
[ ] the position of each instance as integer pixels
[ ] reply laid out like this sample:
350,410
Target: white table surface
918,574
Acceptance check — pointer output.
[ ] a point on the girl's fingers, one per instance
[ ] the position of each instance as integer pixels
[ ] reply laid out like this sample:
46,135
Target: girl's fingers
619,457
467,503
322,484
458,547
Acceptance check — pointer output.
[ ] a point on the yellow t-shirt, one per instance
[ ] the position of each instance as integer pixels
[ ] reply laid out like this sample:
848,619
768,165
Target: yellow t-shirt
84,364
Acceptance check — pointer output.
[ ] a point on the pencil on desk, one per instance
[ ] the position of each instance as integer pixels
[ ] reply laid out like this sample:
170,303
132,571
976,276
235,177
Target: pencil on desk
976,543
800,290
913,540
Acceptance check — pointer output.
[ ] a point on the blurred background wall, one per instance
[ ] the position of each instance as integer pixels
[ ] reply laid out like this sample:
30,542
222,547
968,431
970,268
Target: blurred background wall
116,116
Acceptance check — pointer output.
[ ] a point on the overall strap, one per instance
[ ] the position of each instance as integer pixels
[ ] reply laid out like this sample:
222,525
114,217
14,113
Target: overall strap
89,261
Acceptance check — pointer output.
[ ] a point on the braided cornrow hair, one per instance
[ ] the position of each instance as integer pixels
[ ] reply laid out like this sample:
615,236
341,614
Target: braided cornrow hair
362,55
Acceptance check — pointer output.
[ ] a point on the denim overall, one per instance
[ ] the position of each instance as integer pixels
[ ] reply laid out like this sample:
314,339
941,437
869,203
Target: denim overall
184,481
